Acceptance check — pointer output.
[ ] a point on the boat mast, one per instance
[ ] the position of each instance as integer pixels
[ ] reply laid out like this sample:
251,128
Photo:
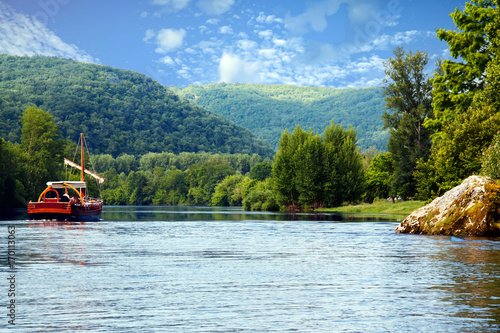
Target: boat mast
82,177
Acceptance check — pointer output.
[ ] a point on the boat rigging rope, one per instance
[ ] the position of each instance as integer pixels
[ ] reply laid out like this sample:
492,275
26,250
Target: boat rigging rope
92,165
69,174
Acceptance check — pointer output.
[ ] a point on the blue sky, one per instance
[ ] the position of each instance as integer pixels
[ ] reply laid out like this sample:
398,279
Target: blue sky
333,43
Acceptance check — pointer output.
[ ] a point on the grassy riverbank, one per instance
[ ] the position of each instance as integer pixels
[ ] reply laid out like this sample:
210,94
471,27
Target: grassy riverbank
379,207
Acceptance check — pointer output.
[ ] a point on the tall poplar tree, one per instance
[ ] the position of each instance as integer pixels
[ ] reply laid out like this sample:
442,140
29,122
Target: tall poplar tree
43,148
407,88
311,171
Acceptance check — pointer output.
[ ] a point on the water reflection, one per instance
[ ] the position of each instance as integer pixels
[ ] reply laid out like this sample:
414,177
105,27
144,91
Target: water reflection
470,271
183,213
60,242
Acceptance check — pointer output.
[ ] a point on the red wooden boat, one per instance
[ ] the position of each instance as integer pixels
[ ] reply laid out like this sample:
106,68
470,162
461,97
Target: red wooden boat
53,206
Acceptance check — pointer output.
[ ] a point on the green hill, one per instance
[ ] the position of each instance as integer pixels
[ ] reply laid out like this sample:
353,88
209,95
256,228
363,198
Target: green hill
268,109
120,111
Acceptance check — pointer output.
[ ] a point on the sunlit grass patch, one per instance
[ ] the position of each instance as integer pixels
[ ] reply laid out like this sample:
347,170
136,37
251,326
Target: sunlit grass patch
378,207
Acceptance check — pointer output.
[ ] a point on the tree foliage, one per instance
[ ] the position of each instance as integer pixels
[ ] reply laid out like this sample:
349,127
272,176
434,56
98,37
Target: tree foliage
379,176
268,109
26,167
312,171
120,111
408,96
470,121
471,45
12,180
42,148
490,162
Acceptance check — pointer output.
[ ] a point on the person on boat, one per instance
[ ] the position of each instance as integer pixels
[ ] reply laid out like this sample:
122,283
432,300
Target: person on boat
65,198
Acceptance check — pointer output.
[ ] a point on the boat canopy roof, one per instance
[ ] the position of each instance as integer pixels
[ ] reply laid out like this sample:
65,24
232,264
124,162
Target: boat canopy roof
63,184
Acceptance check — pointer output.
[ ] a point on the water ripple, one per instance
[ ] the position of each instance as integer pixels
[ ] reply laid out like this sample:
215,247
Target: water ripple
211,270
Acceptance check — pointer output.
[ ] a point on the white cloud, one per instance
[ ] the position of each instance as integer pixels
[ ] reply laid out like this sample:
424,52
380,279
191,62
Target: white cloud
23,35
150,33
265,33
226,30
269,19
171,5
385,41
247,45
405,37
267,53
279,42
314,18
232,69
367,65
229,67
203,29
169,40
208,47
365,18
445,53
213,21
215,7
167,60
360,13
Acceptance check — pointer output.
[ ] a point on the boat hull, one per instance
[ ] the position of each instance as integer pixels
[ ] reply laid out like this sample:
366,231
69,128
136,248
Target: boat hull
62,211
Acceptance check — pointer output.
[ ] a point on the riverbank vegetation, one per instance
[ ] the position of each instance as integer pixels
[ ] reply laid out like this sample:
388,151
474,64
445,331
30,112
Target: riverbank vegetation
379,206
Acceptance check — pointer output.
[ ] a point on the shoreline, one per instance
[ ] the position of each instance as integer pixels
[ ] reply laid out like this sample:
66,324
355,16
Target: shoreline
380,206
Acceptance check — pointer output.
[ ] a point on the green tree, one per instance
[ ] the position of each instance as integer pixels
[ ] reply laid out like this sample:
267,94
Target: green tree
309,173
353,175
261,171
310,170
284,168
378,177
470,123
259,196
126,163
139,188
12,165
490,165
228,191
456,85
342,166
43,148
408,96
202,180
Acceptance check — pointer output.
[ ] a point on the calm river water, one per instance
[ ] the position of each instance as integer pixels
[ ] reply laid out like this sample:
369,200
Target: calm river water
193,269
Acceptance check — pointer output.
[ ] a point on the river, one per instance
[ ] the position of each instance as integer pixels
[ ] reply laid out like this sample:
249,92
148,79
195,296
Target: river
199,269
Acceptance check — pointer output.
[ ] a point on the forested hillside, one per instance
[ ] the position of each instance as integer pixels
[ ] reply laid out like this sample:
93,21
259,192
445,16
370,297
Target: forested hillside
120,111
267,110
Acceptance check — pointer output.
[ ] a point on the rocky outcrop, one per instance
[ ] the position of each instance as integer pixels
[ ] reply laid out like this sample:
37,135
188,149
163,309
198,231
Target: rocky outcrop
472,208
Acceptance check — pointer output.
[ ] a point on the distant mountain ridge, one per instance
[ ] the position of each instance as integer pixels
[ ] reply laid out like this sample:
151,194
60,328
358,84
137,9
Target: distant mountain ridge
267,110
120,111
